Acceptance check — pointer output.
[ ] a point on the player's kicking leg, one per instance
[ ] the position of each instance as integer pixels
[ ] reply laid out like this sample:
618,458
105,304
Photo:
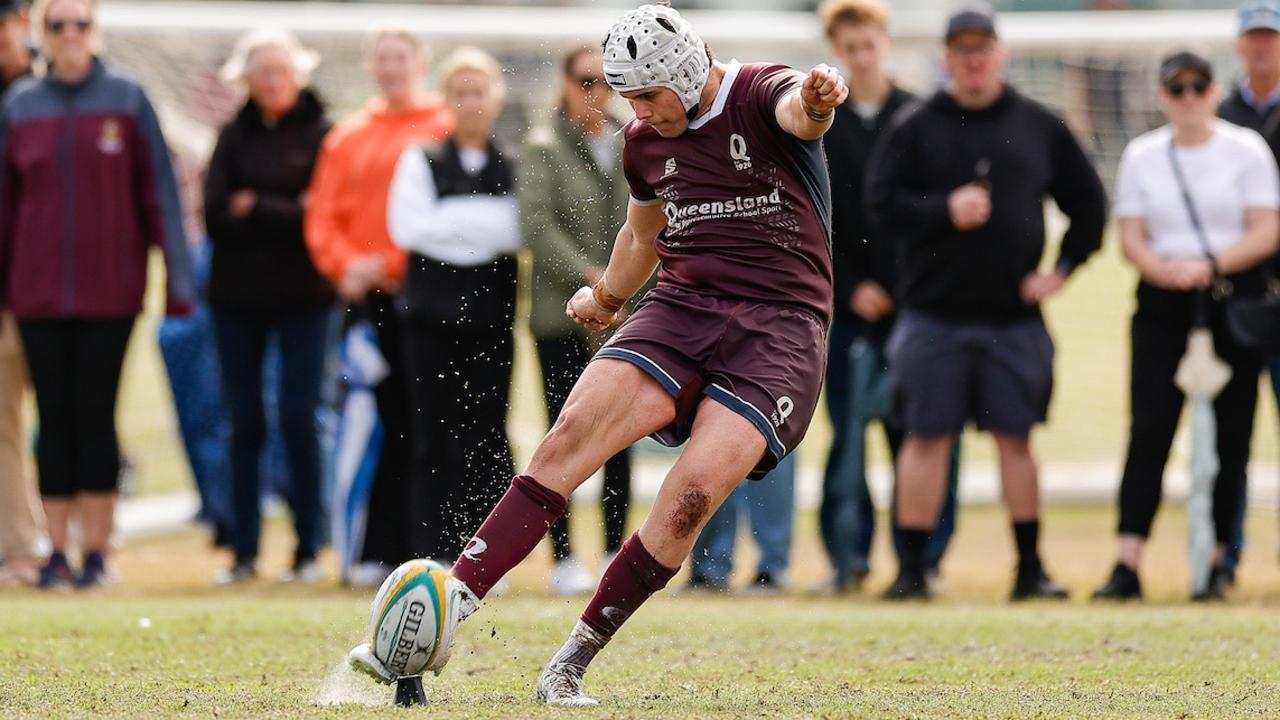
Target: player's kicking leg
613,405
722,449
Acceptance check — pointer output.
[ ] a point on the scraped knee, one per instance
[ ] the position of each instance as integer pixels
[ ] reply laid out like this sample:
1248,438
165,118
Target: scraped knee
692,507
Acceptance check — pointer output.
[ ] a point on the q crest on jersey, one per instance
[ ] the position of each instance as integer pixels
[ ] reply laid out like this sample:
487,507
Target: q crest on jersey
738,152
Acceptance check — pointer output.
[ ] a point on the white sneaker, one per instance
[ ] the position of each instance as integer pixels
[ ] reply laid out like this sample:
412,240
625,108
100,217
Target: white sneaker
568,577
308,572
561,684
367,574
933,580
362,660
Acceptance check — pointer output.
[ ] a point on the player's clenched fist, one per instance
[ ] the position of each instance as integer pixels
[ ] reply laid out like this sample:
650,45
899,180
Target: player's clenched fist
583,309
824,89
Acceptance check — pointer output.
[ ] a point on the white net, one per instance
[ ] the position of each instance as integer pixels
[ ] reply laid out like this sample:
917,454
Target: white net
1093,66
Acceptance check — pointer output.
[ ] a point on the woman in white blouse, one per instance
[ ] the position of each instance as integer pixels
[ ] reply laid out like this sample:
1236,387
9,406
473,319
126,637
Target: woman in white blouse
1232,190
452,207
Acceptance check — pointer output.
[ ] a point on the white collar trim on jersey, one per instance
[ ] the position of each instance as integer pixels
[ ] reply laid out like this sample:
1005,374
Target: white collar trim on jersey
722,95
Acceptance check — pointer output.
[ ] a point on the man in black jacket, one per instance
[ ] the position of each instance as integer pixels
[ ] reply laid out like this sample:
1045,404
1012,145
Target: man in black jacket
962,182
1255,104
866,278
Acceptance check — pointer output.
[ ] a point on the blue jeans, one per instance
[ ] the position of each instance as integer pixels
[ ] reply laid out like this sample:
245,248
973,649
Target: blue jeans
1231,559
190,358
186,345
858,393
242,340
768,503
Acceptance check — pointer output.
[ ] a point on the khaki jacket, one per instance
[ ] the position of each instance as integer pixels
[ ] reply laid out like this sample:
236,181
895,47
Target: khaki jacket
570,212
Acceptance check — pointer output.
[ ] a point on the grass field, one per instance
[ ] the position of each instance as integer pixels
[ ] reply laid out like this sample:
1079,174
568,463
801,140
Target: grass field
165,644
267,651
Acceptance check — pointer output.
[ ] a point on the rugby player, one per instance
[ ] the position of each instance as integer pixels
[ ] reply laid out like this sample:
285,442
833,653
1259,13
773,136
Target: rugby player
729,191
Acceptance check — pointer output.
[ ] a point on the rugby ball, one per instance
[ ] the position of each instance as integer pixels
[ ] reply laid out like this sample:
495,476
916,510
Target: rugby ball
413,618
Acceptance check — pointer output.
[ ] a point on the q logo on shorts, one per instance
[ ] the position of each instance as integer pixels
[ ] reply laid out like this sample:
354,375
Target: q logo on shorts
785,407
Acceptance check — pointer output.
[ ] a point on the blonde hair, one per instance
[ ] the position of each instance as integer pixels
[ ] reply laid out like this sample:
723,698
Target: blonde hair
304,60
834,13
40,8
419,45
472,58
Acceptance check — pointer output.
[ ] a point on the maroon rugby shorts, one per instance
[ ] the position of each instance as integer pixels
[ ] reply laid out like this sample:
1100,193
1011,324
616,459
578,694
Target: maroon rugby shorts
763,361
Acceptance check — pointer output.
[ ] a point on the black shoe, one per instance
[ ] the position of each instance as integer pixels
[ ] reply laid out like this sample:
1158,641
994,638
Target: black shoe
1034,584
764,584
1219,582
1123,585
94,572
908,586
56,572
701,583
1228,575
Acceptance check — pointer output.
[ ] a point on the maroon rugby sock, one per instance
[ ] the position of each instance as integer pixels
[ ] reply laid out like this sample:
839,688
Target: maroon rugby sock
509,534
631,578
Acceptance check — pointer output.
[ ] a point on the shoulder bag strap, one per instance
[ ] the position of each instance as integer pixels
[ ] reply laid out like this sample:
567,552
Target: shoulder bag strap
1221,285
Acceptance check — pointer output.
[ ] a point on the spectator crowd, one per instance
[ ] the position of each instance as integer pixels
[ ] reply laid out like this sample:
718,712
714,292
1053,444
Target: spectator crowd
345,317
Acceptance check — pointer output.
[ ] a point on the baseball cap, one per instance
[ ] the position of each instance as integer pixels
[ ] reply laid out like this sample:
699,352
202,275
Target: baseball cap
1260,15
8,7
971,20
1183,61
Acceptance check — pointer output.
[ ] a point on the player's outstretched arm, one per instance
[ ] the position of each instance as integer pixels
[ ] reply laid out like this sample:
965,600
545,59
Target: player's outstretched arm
633,260
807,112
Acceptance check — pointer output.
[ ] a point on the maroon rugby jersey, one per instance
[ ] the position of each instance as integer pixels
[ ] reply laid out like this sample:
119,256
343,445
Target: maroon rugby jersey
748,205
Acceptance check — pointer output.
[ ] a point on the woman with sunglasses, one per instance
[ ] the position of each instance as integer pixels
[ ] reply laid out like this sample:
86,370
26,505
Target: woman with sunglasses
1196,182
571,189
87,189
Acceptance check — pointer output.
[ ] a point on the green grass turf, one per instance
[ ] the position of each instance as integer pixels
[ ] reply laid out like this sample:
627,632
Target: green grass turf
273,651
277,656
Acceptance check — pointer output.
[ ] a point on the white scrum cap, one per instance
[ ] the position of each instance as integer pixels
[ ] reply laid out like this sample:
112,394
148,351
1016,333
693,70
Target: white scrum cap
652,46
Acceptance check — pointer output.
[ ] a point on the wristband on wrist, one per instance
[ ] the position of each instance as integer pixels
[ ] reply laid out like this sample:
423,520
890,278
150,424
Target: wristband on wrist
605,299
813,114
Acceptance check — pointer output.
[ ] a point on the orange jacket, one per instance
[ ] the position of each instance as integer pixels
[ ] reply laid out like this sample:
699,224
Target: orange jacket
347,213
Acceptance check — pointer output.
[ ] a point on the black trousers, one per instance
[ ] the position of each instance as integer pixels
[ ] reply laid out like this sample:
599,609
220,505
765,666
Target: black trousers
563,359
1160,328
459,386
387,540
243,338
75,369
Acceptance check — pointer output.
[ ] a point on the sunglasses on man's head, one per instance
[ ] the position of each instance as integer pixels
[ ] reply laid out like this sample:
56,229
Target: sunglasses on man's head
58,26
1199,87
